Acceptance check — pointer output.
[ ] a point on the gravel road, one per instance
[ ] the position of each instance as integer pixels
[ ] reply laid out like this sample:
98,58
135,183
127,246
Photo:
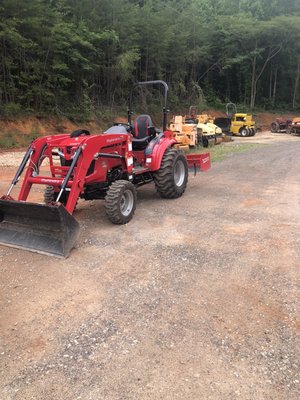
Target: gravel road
196,298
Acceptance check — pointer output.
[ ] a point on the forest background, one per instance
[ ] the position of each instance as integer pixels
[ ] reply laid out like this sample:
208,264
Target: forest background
79,58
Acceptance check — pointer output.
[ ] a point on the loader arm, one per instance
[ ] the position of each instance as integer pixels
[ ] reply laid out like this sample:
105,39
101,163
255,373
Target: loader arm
50,228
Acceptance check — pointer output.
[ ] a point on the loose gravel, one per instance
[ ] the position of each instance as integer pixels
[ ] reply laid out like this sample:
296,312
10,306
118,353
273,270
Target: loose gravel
195,298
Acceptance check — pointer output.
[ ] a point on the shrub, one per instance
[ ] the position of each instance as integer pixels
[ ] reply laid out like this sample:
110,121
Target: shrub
11,111
8,140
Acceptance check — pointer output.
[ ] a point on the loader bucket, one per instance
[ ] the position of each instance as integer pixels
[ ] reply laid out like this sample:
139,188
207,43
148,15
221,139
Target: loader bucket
36,227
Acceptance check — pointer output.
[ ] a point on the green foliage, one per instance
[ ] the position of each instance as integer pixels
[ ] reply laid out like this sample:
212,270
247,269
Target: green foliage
74,57
8,140
11,110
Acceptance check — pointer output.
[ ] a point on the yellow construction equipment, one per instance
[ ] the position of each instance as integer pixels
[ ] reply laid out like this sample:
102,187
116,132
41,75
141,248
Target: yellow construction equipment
236,123
195,130
294,127
184,132
208,131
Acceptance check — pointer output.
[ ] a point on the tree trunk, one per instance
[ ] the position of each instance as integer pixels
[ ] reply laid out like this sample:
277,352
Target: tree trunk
253,83
146,61
296,85
270,82
274,86
271,54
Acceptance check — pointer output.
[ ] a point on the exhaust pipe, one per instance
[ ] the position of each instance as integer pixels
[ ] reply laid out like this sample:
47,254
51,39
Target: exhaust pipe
45,229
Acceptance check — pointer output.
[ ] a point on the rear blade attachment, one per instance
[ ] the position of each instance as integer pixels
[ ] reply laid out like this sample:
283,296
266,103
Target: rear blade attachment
201,161
36,227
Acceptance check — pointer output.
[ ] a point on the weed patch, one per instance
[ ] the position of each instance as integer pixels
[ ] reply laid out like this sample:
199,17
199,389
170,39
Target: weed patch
16,139
225,150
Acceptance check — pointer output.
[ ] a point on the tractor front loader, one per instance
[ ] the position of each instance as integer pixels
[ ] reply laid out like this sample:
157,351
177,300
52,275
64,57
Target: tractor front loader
107,166
81,166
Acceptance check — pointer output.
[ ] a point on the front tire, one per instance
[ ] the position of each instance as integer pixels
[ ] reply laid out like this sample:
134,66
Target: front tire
120,202
50,196
172,177
244,132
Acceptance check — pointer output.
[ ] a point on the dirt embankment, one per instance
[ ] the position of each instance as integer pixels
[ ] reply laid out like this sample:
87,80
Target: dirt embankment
45,126
49,126
18,133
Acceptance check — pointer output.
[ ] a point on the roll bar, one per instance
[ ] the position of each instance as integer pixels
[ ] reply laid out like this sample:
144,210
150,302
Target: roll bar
230,109
165,109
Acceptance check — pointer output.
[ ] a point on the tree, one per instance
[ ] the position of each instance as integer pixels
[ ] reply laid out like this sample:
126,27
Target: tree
71,57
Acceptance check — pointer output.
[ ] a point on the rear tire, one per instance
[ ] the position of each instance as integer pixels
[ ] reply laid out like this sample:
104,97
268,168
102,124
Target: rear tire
275,127
172,177
205,142
199,137
120,202
79,132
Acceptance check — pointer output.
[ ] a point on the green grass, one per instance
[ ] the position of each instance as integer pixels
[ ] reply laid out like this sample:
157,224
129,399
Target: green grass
225,150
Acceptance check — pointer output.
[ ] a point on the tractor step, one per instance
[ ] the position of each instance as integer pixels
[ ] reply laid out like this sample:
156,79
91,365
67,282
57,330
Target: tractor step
139,169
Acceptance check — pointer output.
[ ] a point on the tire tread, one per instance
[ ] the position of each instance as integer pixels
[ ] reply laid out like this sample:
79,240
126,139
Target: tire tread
164,180
112,206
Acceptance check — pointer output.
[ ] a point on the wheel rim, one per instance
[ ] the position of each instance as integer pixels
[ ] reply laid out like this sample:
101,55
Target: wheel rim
179,173
127,202
244,132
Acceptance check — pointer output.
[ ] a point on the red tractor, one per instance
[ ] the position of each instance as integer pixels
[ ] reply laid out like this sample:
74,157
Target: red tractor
281,125
107,166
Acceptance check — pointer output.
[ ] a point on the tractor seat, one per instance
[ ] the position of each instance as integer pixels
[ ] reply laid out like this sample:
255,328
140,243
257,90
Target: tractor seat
191,121
143,132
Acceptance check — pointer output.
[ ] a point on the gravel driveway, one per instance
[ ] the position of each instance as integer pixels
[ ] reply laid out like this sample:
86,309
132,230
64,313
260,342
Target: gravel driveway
196,298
